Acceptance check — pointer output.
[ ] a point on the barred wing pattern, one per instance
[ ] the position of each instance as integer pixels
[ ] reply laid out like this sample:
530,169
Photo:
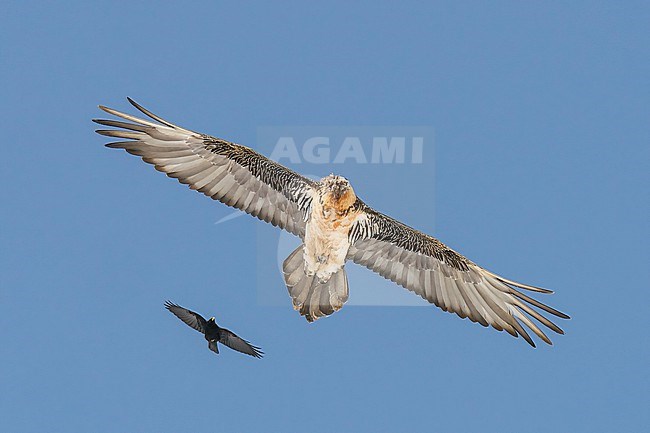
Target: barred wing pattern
427,267
237,343
233,174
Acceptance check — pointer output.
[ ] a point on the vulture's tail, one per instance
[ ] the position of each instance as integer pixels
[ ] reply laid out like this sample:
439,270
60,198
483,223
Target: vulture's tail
311,297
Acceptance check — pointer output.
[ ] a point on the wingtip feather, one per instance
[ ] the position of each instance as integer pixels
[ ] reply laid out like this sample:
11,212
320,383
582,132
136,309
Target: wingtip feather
132,102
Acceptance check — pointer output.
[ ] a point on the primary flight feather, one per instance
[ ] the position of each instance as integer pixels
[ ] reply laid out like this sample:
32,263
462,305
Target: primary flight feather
334,225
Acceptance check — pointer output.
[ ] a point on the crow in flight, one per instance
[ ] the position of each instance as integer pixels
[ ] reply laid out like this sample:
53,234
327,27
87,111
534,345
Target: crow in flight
213,333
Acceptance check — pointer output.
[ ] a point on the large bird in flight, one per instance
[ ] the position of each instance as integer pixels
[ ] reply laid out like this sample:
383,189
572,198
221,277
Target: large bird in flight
334,225
212,332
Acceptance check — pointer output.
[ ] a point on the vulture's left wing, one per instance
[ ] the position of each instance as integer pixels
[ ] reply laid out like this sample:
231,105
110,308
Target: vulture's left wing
233,174
424,265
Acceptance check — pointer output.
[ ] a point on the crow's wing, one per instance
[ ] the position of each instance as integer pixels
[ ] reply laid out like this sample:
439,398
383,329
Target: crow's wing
426,266
195,320
233,174
231,340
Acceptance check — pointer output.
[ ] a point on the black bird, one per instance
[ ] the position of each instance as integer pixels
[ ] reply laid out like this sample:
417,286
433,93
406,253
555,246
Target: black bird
212,332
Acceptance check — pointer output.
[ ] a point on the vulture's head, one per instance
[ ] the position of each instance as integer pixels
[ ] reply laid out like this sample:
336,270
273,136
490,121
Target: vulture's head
337,193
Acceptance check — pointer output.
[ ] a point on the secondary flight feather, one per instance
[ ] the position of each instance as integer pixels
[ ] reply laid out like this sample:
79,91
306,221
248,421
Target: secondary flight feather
334,225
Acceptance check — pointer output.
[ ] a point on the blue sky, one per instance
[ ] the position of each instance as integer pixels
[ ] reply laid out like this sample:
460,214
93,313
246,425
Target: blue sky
540,115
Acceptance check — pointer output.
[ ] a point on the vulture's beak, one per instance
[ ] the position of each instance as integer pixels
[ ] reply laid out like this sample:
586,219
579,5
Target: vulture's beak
338,191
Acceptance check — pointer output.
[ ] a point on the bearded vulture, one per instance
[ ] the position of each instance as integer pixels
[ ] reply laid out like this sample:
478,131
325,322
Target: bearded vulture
334,225
213,333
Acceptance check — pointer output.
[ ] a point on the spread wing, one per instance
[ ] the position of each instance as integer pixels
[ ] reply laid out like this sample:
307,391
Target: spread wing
195,320
231,340
233,174
424,265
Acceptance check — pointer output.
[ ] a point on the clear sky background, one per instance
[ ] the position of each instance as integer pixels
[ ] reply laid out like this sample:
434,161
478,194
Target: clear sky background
541,174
